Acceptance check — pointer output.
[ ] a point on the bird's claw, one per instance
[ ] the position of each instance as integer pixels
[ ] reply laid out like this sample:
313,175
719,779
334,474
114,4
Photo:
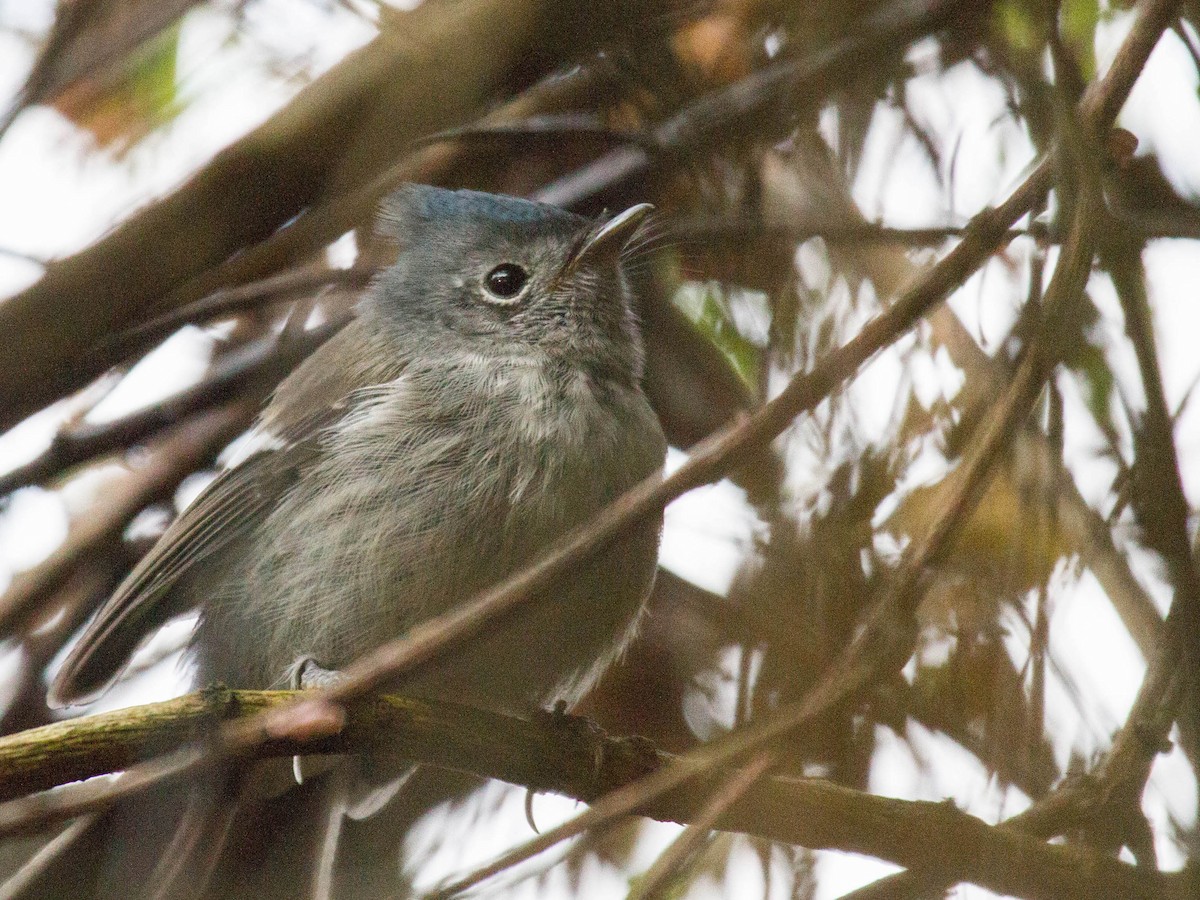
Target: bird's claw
306,674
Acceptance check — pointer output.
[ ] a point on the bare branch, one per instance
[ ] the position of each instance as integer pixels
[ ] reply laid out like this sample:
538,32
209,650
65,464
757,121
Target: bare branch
569,757
657,880
277,288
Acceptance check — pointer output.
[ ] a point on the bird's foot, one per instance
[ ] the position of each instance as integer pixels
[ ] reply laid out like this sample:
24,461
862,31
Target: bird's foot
557,717
306,673
580,730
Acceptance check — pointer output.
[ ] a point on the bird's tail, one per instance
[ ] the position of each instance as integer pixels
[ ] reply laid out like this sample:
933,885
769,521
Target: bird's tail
219,838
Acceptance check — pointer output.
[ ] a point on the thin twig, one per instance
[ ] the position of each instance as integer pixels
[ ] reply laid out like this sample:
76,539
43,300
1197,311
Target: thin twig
15,885
1163,510
551,126
657,880
726,231
724,113
24,257
249,371
169,460
275,289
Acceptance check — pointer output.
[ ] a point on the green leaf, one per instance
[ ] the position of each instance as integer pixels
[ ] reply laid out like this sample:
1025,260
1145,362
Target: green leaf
1097,378
1078,20
706,306
1016,23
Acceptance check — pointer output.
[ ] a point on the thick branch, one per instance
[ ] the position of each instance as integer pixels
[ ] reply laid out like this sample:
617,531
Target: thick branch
568,757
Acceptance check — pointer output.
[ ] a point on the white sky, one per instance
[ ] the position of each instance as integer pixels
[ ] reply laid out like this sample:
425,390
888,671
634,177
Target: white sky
57,194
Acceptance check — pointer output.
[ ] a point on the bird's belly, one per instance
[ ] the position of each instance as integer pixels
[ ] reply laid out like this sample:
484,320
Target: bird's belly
358,562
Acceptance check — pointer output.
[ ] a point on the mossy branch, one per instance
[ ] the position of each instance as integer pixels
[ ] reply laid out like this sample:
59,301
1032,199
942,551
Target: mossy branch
566,755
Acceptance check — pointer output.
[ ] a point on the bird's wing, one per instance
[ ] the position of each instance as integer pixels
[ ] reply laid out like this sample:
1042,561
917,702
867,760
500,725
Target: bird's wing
290,433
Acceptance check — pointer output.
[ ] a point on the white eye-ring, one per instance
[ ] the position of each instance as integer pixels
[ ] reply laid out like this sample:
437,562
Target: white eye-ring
506,283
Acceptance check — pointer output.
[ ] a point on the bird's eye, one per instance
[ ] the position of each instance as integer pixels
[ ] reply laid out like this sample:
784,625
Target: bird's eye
506,281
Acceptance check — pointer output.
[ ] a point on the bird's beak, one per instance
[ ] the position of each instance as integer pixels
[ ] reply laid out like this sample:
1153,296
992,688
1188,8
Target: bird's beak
613,234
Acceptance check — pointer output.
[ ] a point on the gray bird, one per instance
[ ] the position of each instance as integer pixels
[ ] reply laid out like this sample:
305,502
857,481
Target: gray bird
485,401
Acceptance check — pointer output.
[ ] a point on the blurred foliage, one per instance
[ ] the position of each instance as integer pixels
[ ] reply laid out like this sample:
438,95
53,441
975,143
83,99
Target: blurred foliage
709,310
123,106
766,263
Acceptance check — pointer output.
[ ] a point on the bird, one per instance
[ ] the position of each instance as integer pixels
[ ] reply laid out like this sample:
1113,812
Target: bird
485,400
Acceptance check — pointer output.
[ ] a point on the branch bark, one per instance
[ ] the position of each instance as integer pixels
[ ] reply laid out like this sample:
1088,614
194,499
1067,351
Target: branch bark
568,756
